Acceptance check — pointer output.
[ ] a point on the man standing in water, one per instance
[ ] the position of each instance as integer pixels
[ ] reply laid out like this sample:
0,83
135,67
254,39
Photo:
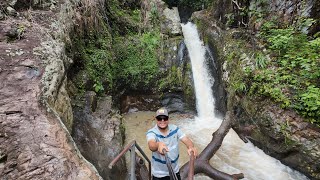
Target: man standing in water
165,136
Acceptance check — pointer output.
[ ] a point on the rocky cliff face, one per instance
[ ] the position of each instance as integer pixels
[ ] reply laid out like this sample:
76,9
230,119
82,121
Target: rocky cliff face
35,111
98,135
281,133
174,86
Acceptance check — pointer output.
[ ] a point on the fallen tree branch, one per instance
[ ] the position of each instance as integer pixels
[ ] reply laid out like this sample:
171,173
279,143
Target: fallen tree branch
202,162
236,3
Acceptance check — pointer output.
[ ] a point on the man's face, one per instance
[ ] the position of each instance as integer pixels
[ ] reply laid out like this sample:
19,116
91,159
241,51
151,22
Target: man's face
162,121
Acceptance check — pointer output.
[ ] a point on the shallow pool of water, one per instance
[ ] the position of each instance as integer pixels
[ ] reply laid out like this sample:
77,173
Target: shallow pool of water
234,156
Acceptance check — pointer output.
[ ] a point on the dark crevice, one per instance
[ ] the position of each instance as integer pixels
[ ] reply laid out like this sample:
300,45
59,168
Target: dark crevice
3,158
11,112
185,13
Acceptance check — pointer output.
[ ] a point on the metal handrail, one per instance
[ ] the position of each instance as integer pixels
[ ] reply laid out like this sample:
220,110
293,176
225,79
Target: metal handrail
172,174
125,149
131,146
145,157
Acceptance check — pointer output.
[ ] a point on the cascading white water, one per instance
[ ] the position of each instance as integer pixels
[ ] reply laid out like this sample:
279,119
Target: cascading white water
234,156
204,98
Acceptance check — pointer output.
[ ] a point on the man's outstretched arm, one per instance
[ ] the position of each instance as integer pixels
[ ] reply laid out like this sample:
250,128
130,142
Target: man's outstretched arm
189,145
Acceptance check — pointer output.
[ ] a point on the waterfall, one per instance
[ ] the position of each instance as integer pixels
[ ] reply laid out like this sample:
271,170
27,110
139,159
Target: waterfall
204,98
234,156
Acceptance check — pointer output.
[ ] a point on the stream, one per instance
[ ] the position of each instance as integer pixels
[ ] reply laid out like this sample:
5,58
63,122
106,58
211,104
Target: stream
234,156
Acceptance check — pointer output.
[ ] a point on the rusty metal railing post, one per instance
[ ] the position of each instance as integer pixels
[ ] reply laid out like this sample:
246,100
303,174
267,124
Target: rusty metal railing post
146,157
125,149
133,163
131,146
191,166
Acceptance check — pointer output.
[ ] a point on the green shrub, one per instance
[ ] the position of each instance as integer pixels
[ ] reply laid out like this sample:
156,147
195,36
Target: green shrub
154,14
97,64
93,55
292,77
309,104
261,61
173,79
136,59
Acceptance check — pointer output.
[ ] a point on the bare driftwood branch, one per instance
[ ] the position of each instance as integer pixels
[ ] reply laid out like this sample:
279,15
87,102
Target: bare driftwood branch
236,3
202,165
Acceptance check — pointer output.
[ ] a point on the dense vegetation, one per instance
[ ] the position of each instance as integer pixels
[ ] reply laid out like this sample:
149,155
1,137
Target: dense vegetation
117,52
125,55
137,60
294,80
288,72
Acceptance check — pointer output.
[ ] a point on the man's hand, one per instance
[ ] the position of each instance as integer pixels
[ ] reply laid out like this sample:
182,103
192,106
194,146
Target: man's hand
162,146
193,150
157,146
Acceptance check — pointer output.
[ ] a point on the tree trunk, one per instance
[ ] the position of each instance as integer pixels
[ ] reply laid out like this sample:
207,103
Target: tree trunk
202,165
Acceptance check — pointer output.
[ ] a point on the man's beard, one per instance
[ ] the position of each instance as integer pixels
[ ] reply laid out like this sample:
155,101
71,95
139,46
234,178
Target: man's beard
162,128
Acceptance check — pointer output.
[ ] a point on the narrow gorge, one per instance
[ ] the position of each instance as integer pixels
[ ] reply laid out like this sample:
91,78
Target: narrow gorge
73,72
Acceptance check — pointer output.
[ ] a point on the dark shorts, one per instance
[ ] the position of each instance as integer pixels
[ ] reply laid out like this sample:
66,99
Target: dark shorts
166,177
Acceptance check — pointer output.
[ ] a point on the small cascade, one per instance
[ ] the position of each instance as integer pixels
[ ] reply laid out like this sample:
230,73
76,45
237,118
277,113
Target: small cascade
234,156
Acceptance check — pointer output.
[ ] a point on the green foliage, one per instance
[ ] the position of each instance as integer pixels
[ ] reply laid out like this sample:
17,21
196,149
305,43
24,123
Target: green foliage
230,19
98,87
240,14
123,18
305,23
275,92
97,59
231,56
309,104
106,58
154,14
136,15
261,61
266,28
292,76
280,40
20,31
237,77
285,129
239,87
137,60
172,80
258,9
